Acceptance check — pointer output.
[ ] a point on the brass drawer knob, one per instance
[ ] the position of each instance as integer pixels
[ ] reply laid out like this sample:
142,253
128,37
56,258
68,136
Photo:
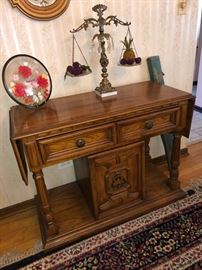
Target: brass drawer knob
148,125
80,143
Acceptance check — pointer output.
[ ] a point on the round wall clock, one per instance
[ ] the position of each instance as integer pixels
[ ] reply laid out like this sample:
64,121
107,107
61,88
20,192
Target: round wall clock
26,80
41,9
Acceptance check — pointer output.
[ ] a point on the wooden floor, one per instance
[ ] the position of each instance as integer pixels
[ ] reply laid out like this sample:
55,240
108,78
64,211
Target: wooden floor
20,231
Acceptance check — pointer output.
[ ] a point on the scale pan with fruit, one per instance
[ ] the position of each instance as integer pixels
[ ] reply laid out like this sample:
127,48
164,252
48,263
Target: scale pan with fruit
129,56
77,69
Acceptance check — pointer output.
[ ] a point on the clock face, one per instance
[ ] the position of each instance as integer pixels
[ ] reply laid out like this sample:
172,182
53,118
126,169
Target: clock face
42,3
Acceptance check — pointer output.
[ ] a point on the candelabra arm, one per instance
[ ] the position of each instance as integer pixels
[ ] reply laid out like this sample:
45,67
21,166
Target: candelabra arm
116,21
86,24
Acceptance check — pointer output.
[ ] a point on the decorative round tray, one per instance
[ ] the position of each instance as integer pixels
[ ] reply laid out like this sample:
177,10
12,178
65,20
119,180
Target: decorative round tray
26,80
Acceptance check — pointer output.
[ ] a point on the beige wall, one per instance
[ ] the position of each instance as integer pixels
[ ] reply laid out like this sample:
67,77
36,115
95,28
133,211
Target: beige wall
199,85
157,30
198,64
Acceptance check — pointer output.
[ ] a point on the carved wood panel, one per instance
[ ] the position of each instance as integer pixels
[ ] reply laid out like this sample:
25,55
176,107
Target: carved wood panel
117,178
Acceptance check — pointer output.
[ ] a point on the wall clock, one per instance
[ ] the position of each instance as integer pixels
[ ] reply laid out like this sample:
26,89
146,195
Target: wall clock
41,9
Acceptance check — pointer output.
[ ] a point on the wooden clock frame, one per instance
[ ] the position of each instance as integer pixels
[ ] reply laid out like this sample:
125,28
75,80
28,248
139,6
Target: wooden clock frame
41,12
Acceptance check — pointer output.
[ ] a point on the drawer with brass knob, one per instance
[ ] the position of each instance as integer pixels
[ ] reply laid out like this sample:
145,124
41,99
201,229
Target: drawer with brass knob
135,128
76,144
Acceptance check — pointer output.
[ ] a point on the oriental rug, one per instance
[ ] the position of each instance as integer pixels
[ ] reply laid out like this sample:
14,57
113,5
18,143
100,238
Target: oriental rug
168,238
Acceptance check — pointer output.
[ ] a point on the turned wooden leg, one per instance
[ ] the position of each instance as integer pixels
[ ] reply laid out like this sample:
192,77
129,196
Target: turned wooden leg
51,227
147,150
173,182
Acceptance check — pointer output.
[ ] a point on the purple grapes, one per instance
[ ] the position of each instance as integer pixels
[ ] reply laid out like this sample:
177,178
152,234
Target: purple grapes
76,64
138,60
123,61
69,69
131,61
77,69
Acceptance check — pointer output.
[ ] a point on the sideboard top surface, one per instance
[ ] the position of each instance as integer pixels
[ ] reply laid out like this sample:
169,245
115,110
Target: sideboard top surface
86,108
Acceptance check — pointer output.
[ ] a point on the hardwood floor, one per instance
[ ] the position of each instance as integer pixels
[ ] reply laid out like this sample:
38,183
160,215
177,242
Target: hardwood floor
20,232
191,165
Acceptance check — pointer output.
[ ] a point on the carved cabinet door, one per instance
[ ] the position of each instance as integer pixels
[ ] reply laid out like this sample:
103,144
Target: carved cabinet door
117,179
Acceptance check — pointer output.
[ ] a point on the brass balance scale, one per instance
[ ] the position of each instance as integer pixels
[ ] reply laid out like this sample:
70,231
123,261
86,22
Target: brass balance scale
129,55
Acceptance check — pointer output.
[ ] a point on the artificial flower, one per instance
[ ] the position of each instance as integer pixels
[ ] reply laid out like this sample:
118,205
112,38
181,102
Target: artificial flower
40,96
24,71
35,99
29,89
19,90
46,93
28,100
12,84
42,81
15,77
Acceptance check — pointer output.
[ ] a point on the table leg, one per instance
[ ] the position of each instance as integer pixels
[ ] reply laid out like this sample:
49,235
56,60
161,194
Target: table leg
51,227
173,182
147,150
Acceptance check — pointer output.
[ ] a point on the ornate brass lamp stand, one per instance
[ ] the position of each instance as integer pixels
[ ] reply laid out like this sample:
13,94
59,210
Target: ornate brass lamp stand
105,88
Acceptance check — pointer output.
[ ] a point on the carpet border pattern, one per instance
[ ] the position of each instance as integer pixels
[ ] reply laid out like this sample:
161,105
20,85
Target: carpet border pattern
182,261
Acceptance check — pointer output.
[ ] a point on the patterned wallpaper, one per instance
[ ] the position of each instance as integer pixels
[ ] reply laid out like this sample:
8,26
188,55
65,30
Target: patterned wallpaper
157,30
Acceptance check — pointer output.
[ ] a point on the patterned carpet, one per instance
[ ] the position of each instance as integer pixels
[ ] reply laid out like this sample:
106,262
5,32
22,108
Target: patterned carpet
168,238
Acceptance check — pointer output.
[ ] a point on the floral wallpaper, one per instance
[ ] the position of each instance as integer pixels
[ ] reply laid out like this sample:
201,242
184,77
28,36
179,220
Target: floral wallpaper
157,29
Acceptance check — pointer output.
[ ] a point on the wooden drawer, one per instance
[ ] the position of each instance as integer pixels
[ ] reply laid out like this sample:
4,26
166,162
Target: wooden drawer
151,125
77,144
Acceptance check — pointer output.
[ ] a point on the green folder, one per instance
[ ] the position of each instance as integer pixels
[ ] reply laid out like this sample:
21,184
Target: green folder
156,75
155,71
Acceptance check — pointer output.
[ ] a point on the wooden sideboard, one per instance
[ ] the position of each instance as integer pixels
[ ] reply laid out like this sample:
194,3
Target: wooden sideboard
108,142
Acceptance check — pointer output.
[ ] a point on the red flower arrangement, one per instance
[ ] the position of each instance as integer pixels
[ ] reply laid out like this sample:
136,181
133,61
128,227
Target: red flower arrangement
30,86
26,80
